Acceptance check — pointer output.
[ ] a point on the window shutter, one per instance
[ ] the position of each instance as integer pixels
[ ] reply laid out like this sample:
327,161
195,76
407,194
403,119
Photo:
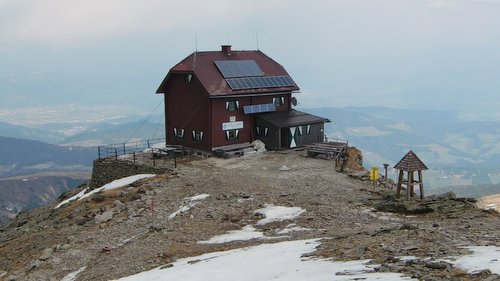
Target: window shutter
182,133
227,135
194,135
236,133
227,105
265,132
175,132
201,135
282,100
300,130
308,129
237,104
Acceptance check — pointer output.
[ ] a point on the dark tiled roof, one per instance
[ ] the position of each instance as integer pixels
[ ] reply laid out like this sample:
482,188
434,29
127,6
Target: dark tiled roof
411,162
202,66
284,119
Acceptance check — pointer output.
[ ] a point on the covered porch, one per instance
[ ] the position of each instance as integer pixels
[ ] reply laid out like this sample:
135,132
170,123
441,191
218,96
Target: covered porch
289,129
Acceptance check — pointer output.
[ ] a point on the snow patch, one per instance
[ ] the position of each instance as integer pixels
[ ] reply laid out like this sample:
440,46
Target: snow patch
74,197
291,228
278,213
246,233
482,257
199,197
72,275
112,185
192,202
277,262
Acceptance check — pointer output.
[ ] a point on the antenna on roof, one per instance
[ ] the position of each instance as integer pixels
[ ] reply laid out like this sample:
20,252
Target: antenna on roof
195,48
257,40
196,42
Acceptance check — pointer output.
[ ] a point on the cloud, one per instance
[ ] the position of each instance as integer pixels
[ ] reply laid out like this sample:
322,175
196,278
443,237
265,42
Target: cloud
64,22
442,3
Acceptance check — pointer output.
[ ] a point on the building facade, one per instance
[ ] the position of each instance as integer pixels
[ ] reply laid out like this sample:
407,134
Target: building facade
219,98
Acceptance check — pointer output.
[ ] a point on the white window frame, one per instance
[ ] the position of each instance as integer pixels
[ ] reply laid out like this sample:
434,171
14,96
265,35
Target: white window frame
197,135
279,101
231,108
229,132
179,133
262,131
305,130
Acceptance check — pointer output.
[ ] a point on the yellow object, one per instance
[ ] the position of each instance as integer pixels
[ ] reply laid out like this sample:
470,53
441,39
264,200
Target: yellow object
374,175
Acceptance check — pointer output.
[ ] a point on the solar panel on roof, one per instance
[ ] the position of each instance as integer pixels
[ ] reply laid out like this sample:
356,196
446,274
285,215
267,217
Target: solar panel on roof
260,82
238,68
259,108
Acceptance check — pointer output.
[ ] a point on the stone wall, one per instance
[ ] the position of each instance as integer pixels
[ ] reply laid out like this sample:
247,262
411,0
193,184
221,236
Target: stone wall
106,170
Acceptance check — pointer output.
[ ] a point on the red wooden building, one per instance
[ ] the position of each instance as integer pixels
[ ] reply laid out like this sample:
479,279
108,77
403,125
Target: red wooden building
219,98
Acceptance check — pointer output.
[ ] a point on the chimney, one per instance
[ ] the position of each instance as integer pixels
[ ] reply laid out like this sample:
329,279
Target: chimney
226,49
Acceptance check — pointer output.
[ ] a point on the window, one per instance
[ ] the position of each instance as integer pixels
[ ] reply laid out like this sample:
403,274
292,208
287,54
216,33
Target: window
232,105
261,131
197,135
279,101
178,133
305,130
232,134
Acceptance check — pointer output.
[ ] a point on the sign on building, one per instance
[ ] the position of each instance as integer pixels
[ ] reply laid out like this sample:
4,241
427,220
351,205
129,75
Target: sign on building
232,125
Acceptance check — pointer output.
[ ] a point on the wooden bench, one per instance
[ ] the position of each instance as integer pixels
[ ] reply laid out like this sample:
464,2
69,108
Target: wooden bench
228,151
326,150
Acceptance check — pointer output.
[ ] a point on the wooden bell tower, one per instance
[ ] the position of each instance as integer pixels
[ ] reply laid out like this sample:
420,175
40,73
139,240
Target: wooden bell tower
410,164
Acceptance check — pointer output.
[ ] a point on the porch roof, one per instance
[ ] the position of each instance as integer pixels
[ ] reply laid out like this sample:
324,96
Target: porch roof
285,119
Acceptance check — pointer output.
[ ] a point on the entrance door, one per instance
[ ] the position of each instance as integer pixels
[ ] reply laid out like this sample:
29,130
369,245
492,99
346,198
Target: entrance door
288,136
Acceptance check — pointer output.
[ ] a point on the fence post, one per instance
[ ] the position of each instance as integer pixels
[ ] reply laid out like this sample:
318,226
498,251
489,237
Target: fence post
175,160
124,150
99,152
134,156
116,154
148,144
153,154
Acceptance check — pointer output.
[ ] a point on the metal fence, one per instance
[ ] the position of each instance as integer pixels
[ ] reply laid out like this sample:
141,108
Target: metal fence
130,148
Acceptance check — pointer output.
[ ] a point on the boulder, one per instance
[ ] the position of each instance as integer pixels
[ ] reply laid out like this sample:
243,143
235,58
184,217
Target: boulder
104,217
46,254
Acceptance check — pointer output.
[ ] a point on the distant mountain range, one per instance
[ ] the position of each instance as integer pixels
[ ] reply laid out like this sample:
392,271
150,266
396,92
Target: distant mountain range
89,133
442,139
25,157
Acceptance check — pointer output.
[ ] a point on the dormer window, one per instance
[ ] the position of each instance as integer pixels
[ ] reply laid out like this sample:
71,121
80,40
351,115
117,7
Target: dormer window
279,101
232,105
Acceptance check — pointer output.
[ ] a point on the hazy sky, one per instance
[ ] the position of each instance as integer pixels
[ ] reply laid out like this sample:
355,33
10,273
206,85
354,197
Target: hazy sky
442,54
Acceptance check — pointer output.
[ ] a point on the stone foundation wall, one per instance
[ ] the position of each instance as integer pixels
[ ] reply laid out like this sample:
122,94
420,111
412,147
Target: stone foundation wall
105,171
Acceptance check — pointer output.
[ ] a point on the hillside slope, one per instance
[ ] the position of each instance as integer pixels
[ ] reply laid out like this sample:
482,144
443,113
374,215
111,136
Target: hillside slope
271,197
33,191
23,157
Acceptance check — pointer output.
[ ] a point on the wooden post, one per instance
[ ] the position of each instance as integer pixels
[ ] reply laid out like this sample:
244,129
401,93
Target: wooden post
400,181
412,189
385,174
421,180
408,185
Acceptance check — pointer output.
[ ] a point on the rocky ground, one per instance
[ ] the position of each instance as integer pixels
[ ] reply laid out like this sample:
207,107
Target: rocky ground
124,231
